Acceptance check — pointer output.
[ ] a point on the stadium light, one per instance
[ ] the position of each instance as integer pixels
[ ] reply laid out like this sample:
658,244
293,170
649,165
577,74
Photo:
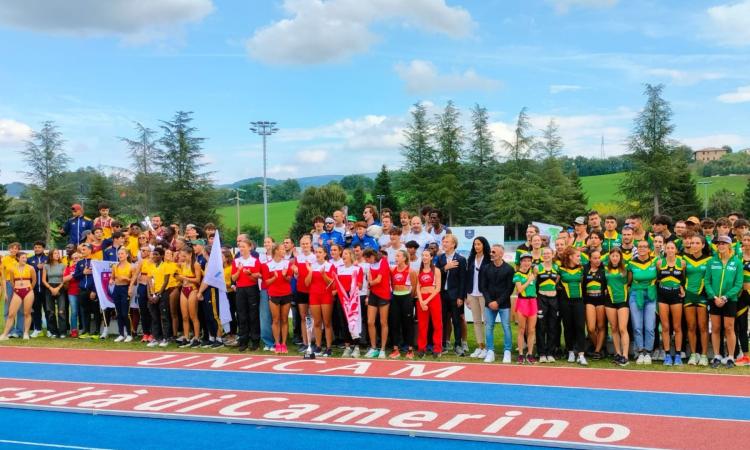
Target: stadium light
264,128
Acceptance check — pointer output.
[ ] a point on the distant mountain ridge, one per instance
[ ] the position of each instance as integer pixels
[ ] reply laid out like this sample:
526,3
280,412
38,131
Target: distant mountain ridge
15,189
304,182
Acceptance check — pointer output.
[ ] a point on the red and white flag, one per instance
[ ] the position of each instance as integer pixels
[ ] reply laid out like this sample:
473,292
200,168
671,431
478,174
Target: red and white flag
349,298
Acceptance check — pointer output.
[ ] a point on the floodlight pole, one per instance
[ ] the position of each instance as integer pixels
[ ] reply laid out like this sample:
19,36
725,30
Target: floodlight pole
264,128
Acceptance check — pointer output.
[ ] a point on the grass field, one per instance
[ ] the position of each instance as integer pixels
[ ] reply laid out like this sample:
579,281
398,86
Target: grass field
603,195
280,216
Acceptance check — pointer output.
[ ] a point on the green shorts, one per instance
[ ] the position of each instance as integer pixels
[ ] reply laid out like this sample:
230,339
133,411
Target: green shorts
692,299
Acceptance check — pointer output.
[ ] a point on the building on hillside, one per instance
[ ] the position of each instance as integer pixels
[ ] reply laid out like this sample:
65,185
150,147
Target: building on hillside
709,154
745,150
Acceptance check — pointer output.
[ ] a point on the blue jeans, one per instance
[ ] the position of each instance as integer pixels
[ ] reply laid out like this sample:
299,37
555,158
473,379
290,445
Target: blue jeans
73,300
490,316
644,322
266,332
18,326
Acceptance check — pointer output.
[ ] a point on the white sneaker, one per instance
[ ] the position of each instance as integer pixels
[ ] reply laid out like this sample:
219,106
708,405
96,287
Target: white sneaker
543,359
571,357
52,336
550,359
104,335
372,353
120,338
382,354
164,343
347,352
582,360
465,346
26,336
475,353
490,356
129,338
647,359
266,348
482,354
506,357
693,361
662,355
153,343
49,334
355,352
34,334
641,358
655,355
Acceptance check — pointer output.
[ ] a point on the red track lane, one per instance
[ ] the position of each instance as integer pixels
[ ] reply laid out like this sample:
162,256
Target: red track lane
444,419
652,381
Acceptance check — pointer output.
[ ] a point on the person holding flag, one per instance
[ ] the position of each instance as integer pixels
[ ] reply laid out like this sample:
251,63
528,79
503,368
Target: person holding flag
215,303
349,278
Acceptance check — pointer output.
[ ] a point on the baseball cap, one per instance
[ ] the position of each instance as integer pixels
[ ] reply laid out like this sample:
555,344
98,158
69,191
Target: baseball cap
580,220
330,220
76,207
724,239
351,218
198,242
524,255
694,220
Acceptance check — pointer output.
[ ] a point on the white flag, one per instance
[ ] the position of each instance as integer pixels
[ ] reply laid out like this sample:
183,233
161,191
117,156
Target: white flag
214,277
102,272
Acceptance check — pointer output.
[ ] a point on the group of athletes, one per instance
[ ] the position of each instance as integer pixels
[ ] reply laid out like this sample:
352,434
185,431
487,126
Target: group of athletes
395,285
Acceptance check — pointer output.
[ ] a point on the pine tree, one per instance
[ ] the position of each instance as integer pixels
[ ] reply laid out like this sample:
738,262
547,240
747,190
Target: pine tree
682,198
46,161
723,202
316,201
100,191
358,203
478,169
519,148
551,143
445,190
189,195
383,187
145,154
419,157
746,199
651,179
577,200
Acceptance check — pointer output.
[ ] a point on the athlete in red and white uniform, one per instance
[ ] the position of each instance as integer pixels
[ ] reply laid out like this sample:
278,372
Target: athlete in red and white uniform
378,302
302,296
403,280
429,306
349,281
320,280
277,274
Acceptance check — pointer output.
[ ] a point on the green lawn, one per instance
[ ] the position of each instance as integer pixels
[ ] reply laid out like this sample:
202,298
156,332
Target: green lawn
280,216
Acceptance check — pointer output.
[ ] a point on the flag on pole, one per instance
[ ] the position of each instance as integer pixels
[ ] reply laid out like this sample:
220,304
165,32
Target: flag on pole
214,277
102,272
349,298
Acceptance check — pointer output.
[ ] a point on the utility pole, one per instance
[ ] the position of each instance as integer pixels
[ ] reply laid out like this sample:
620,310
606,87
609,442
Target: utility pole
705,196
264,128
381,197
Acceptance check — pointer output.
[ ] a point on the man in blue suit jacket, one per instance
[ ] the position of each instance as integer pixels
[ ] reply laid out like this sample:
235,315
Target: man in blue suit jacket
453,274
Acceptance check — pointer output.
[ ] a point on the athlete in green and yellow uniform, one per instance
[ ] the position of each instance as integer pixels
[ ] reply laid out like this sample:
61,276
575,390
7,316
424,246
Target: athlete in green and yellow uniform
723,285
696,259
642,276
616,305
611,237
547,278
670,279
743,300
571,304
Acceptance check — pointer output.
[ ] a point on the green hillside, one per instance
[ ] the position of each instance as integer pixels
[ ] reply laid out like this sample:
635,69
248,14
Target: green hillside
280,216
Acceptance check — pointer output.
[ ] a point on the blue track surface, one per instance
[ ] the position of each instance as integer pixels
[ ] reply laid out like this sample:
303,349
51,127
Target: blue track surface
701,406
85,430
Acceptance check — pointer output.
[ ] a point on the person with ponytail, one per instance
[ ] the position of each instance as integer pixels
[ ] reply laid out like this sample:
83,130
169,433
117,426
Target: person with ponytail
276,279
642,280
616,304
571,304
670,293
190,276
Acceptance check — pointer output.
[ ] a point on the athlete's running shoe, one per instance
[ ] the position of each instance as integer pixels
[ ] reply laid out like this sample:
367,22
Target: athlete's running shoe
693,359
119,338
550,359
355,352
571,357
530,359
543,359
128,338
520,359
381,354
347,353
703,361
410,354
395,354
153,343
490,356
668,359
506,357
716,363
730,363
647,359
582,360
372,353
677,360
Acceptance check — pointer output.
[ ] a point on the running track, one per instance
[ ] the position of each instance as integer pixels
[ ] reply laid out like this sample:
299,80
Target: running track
75,398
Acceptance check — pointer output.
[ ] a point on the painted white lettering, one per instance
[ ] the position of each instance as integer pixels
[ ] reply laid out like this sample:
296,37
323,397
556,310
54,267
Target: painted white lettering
217,362
259,363
555,430
284,367
458,419
293,412
10,399
359,368
418,370
232,410
500,423
66,400
350,412
105,402
166,360
412,419
616,432
169,402
206,403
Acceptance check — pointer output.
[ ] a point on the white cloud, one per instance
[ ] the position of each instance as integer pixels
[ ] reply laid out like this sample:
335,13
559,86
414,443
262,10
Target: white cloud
136,21
312,156
283,171
563,6
367,132
729,24
683,77
13,132
558,88
715,140
321,31
740,95
422,77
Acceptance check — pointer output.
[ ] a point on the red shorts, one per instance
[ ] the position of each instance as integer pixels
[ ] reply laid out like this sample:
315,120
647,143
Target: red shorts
526,307
321,299
186,290
22,292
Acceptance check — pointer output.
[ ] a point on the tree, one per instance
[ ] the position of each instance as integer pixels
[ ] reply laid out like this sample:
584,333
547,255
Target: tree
518,199
144,153
723,202
352,182
520,147
284,191
316,201
100,191
25,221
682,198
189,194
651,151
6,233
46,161
358,203
746,199
419,157
551,144
478,170
383,187
445,190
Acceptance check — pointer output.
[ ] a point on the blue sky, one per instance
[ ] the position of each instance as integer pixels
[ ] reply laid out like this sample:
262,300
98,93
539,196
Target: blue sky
340,76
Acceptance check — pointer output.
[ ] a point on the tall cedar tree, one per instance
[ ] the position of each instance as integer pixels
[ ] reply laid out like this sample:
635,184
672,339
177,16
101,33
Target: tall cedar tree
445,187
316,201
144,154
189,195
478,169
383,187
682,198
651,148
46,161
419,157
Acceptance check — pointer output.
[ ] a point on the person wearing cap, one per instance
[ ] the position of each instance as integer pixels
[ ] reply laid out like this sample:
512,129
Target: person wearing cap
361,237
693,223
330,236
76,225
723,284
526,307
580,234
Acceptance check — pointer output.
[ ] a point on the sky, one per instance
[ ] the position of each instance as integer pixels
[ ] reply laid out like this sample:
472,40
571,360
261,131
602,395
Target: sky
340,76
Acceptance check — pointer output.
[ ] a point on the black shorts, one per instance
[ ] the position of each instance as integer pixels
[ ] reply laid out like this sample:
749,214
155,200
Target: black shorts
669,296
609,304
302,298
374,300
283,300
728,310
743,301
594,301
